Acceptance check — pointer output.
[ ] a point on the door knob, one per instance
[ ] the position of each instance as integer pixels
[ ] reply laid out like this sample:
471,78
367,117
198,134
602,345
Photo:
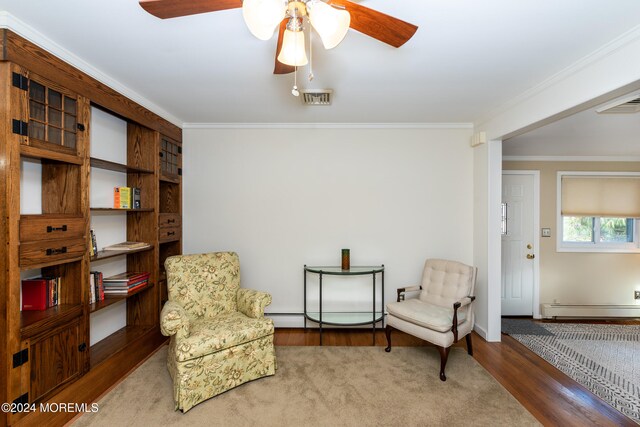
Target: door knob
530,256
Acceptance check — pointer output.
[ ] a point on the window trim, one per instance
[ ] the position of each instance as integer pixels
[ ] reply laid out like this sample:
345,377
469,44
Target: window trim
562,246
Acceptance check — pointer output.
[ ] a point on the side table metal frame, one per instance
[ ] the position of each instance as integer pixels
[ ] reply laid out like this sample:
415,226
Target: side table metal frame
336,271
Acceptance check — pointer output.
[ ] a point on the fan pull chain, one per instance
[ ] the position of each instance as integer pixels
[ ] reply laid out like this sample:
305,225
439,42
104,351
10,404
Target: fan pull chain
310,54
295,91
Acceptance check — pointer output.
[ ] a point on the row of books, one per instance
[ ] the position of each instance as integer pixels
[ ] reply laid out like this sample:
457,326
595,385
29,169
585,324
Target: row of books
126,198
120,284
40,293
96,287
124,283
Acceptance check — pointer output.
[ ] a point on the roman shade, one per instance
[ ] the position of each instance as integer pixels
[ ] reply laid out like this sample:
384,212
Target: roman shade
601,196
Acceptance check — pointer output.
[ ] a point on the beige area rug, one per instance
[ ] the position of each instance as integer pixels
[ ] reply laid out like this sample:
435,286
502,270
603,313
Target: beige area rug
326,386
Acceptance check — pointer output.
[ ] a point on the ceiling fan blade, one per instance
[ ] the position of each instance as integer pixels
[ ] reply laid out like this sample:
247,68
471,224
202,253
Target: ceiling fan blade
174,8
281,68
385,28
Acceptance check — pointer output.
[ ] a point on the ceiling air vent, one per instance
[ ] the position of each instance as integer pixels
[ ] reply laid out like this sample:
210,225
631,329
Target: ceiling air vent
317,96
626,106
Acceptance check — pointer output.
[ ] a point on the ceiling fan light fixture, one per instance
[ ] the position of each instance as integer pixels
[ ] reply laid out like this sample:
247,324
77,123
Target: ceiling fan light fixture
263,16
331,24
293,52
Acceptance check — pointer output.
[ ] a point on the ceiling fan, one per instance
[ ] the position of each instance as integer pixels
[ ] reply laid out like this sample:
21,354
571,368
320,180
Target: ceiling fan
330,19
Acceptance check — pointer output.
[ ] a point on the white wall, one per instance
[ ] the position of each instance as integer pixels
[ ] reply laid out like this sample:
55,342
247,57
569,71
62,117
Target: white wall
283,198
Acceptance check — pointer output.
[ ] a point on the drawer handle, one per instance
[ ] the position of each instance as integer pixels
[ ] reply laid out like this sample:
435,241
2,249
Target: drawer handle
171,221
50,228
171,233
62,250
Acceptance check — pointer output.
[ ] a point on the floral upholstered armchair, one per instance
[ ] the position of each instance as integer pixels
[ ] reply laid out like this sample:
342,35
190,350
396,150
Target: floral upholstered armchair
219,335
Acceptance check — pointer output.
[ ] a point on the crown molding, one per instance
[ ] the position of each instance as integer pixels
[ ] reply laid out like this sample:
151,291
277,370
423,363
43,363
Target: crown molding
328,126
614,45
571,158
12,23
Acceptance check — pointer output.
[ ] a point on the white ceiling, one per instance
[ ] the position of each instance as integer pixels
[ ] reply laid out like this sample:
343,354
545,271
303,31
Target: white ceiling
467,59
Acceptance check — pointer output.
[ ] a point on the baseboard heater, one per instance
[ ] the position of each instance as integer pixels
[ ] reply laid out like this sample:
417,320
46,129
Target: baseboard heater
589,310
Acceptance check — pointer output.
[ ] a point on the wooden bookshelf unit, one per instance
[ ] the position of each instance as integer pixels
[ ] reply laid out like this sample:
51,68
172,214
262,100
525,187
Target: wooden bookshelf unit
45,117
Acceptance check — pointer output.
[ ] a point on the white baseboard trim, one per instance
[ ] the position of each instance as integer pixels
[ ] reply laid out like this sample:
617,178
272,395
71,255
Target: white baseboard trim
480,331
589,310
286,320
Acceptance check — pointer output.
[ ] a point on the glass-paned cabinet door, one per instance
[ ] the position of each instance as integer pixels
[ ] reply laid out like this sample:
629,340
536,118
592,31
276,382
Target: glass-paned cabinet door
53,117
170,158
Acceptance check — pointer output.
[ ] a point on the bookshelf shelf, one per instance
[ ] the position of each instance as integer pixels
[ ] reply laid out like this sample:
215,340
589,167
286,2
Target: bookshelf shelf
34,322
118,341
117,167
44,264
112,299
43,153
121,210
110,254
169,179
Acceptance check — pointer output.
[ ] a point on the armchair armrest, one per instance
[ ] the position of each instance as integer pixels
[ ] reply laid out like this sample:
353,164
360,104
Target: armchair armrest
401,291
174,320
456,305
252,303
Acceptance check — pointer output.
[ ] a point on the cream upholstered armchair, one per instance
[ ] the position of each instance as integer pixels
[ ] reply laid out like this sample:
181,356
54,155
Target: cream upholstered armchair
443,311
219,335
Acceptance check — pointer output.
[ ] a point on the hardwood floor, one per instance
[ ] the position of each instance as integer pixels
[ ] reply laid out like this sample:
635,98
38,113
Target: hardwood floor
551,396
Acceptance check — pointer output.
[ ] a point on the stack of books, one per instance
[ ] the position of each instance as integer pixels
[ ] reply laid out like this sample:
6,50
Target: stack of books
40,293
125,283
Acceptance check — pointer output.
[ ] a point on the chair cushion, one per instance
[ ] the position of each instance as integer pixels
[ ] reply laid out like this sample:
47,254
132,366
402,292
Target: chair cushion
208,336
205,285
445,282
425,314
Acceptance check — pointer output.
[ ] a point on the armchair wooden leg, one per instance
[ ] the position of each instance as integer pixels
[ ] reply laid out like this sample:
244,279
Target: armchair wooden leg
469,344
444,354
387,332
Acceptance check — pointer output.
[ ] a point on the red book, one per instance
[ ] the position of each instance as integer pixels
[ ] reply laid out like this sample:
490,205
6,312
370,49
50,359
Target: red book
101,285
34,294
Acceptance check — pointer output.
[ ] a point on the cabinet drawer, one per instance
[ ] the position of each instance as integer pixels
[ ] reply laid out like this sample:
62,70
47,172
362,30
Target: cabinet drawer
169,220
50,227
169,234
50,252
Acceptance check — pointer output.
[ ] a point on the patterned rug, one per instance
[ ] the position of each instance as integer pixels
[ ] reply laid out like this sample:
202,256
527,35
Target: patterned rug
522,327
603,358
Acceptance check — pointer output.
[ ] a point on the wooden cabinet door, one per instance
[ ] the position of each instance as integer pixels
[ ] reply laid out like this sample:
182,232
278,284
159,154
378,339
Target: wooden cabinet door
170,159
56,358
53,117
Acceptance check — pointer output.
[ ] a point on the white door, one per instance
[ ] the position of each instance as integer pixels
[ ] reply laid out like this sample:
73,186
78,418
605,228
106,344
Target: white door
519,242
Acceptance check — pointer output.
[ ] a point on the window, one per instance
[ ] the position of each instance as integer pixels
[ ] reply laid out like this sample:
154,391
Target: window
582,196
611,232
